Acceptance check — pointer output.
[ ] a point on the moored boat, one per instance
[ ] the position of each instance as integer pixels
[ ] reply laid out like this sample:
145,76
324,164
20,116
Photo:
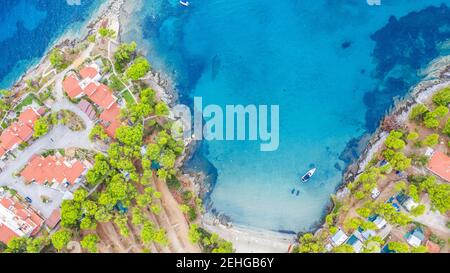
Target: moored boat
308,175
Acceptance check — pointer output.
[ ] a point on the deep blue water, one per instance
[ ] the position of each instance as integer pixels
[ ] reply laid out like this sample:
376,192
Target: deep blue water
29,27
334,68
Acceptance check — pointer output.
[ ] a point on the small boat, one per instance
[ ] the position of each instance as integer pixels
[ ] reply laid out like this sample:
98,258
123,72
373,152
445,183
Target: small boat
184,3
293,190
308,175
298,192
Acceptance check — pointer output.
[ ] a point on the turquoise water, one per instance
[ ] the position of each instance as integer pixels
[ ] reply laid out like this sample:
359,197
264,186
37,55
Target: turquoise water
316,59
29,27
332,66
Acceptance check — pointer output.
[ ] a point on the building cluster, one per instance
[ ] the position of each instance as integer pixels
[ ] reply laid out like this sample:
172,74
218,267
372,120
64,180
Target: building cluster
18,132
87,84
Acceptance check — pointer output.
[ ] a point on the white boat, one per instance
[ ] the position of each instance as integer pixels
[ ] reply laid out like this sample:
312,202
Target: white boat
308,175
184,3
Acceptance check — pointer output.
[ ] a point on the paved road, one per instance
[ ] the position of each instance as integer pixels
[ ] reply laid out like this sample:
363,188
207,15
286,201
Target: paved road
60,137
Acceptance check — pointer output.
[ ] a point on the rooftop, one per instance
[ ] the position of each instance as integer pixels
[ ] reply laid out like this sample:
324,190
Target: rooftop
17,219
52,169
439,164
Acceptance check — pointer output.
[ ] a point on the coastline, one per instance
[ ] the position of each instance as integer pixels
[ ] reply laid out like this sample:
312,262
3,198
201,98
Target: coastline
67,38
249,239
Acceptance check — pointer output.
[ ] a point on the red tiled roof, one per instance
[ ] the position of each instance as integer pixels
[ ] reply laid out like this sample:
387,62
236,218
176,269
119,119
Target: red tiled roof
440,165
29,117
90,89
52,169
2,151
21,220
72,86
432,247
54,219
110,118
88,72
6,234
103,97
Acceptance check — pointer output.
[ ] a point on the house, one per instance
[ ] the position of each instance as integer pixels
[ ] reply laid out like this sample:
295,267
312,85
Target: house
379,222
89,86
432,247
110,119
54,219
375,193
339,238
98,93
439,164
356,243
53,170
17,219
415,237
410,204
18,132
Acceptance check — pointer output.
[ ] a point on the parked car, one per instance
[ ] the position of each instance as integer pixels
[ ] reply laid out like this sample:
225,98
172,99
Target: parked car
28,199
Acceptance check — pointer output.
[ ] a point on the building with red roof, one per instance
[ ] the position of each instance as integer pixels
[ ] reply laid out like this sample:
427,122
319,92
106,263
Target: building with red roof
29,117
72,87
90,72
439,164
98,93
111,120
19,132
89,86
17,219
54,219
53,169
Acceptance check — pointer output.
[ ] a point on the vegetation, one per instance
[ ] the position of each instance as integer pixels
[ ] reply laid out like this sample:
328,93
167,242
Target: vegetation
89,243
61,238
57,59
98,133
123,56
138,69
41,127
106,32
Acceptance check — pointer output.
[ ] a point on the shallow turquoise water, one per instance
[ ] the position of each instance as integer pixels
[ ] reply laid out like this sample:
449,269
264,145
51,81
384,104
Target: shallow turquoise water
319,60
29,27
313,58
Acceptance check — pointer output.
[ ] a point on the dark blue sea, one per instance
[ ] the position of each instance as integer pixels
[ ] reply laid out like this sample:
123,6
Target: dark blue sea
334,68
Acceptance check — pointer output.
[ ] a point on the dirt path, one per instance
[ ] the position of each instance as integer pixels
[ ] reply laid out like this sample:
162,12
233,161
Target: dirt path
175,224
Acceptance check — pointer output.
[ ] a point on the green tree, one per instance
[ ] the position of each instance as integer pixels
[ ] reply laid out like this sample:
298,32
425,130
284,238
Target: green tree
431,140
161,109
413,136
106,32
57,59
344,248
418,112
441,111
61,238
194,234
98,132
90,242
394,140
99,170
419,210
310,244
431,120
398,247
138,69
123,55
446,129
442,97
40,127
